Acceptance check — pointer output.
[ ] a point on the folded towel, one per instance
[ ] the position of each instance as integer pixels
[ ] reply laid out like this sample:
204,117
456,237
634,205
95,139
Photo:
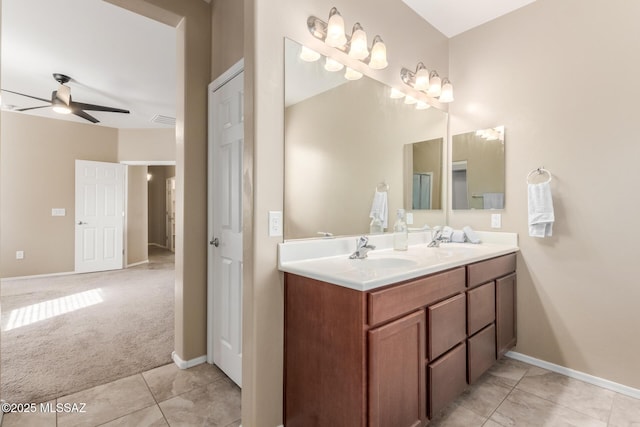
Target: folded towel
380,207
541,215
493,200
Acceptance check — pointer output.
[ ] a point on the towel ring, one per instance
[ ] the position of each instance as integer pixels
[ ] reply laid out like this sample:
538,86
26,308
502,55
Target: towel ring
540,171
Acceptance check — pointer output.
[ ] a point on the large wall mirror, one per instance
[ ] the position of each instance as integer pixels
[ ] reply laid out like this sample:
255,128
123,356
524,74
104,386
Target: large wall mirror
477,169
344,139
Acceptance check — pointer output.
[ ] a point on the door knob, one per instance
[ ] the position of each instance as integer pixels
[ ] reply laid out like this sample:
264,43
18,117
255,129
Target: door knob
215,242
82,223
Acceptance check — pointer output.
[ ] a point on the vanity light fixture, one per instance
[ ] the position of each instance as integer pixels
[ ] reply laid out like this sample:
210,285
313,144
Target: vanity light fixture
435,84
332,65
447,91
410,100
421,105
351,74
428,82
355,45
309,55
396,94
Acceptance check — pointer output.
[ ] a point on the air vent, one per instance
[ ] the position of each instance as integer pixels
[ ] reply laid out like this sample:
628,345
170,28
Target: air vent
163,120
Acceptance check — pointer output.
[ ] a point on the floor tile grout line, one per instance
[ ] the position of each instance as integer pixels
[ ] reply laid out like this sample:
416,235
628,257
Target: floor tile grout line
155,400
560,405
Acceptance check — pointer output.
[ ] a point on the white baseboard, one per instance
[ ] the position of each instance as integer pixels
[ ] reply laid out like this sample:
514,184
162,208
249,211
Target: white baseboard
157,245
146,261
600,382
39,276
186,364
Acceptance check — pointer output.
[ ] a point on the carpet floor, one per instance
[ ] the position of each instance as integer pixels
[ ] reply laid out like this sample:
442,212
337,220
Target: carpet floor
69,333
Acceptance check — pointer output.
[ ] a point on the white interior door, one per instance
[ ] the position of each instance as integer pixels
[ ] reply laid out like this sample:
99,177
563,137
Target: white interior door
226,137
170,228
99,234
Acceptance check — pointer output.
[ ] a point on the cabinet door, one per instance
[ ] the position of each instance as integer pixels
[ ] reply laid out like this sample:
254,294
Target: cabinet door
447,325
447,379
481,307
397,378
481,350
506,328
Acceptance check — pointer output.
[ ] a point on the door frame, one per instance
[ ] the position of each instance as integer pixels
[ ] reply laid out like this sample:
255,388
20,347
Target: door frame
224,78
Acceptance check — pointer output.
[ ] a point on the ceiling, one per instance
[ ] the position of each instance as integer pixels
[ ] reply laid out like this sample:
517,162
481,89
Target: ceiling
115,58
452,17
120,59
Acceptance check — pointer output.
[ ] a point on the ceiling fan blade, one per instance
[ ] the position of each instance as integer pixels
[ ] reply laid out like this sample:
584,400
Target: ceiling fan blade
93,107
85,116
28,96
32,108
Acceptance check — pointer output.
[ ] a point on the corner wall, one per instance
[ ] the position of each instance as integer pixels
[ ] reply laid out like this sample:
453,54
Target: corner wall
562,76
137,215
37,174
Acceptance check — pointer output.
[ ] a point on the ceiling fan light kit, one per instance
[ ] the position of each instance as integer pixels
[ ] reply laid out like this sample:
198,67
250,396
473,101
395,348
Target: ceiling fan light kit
63,104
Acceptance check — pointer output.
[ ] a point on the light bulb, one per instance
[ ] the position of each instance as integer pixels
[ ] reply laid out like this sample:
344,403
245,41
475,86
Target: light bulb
422,78
332,65
335,30
358,48
446,94
309,55
421,105
396,94
378,59
410,100
351,74
435,84
62,109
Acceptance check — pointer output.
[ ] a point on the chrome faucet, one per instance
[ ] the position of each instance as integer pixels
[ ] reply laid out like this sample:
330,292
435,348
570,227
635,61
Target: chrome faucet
362,248
437,238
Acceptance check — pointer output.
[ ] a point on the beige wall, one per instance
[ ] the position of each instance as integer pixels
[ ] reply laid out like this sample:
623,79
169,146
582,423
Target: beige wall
137,217
37,174
267,25
192,19
158,203
227,35
538,72
146,145
338,146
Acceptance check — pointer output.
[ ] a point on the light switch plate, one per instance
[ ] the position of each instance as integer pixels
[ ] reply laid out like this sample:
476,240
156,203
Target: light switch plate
275,223
58,212
409,218
19,254
496,220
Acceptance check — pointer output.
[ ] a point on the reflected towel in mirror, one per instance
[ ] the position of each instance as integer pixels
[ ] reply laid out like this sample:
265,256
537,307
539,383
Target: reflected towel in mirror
380,206
493,200
541,216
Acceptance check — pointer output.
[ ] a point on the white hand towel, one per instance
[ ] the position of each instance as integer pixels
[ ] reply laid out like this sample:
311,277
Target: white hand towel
493,200
541,215
380,206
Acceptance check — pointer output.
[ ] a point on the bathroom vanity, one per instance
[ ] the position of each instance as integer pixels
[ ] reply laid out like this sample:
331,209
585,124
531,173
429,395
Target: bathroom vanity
392,339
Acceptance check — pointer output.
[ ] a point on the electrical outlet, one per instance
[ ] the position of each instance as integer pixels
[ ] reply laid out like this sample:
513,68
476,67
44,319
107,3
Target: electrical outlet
496,220
58,212
275,223
19,254
409,218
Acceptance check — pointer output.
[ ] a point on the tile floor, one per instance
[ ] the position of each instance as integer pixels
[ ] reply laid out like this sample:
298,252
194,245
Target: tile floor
165,396
512,393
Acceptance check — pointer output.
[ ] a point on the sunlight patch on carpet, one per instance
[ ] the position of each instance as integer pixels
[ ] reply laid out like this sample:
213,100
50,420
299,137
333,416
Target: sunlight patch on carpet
47,309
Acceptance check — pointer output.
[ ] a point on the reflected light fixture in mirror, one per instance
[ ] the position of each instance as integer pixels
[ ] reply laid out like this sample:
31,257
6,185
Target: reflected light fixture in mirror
428,82
351,74
410,100
332,65
309,55
333,35
396,94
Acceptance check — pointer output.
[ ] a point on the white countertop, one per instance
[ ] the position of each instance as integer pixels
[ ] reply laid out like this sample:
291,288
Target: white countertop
328,259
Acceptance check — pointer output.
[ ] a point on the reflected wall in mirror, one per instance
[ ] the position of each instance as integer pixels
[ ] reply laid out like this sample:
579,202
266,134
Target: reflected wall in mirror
342,139
423,175
477,170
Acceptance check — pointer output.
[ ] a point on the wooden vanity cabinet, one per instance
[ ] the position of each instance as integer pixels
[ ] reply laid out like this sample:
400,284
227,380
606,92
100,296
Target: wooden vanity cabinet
396,355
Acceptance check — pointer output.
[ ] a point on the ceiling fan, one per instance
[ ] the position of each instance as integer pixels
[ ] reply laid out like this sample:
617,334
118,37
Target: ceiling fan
62,103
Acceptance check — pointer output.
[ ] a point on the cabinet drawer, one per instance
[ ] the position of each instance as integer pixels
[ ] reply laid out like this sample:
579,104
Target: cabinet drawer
447,325
482,352
395,301
481,307
447,379
485,271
